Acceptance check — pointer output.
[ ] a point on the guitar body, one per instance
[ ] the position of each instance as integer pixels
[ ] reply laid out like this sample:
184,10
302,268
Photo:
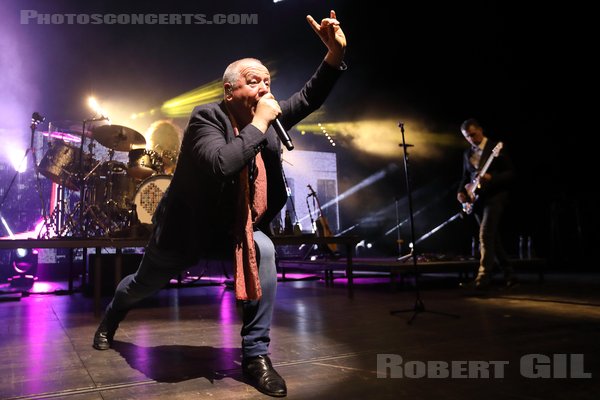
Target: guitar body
323,230
471,188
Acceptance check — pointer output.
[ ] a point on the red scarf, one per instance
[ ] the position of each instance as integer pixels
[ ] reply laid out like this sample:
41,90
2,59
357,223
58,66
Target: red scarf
249,212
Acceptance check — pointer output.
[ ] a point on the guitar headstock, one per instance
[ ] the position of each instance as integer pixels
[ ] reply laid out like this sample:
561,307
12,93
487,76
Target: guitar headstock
496,149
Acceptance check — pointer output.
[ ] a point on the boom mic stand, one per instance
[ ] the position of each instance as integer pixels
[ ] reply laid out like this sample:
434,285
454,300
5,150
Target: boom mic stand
36,119
419,306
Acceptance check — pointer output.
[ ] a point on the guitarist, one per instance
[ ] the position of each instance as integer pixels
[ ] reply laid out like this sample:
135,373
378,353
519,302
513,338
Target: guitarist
489,201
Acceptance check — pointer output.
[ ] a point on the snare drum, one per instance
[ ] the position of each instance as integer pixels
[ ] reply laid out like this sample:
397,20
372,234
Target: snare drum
148,196
144,163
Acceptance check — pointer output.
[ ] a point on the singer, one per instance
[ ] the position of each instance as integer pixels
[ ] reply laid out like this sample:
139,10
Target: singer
226,189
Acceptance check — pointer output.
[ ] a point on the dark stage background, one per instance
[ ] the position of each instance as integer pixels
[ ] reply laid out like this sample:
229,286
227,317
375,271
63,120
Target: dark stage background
514,67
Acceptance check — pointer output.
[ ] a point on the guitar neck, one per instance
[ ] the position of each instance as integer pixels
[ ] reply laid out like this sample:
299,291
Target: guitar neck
485,167
488,162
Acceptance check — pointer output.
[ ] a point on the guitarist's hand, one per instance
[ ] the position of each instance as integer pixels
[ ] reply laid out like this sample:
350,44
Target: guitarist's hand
485,178
461,197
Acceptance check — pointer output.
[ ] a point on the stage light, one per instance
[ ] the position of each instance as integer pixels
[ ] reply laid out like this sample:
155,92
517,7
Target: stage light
93,103
362,246
95,106
24,263
381,136
182,105
16,157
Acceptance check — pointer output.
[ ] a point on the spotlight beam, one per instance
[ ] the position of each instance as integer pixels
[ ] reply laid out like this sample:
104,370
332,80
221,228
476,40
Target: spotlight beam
422,209
359,186
437,228
8,230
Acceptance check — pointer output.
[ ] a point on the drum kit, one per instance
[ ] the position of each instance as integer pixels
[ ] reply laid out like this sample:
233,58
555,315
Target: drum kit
113,195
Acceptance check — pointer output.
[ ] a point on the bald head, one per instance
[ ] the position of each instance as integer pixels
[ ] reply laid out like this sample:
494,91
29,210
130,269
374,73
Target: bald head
233,71
245,82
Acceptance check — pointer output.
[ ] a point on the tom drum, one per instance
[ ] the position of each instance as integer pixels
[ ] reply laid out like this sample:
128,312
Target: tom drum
144,163
60,164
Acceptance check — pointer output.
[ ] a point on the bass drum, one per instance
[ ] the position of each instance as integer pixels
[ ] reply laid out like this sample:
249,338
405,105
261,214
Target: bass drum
148,196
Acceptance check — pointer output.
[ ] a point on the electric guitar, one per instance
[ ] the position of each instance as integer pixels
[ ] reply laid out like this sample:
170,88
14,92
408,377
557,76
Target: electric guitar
471,187
321,223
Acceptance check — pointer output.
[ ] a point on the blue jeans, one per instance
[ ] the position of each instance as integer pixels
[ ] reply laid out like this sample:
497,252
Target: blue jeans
157,268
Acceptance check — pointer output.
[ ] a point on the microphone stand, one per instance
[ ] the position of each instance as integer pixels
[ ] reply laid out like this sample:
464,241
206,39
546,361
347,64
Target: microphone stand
295,227
419,306
36,119
80,179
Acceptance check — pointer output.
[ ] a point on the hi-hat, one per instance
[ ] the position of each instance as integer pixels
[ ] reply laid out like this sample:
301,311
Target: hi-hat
118,137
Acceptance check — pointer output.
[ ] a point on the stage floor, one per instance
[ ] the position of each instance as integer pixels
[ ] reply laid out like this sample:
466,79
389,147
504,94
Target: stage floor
184,343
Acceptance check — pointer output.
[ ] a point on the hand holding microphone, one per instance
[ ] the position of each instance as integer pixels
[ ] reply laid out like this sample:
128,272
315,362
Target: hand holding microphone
267,110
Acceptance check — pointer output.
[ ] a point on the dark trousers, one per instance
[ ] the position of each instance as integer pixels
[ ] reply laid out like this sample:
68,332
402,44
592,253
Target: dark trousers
491,247
157,268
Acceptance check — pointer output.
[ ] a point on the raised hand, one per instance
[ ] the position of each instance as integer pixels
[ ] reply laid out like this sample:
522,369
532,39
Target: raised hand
332,36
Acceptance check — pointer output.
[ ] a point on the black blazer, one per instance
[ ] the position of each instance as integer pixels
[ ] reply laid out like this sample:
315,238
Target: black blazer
196,215
501,169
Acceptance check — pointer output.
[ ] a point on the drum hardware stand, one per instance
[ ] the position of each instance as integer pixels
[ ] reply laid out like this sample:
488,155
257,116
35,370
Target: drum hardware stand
419,306
55,222
83,210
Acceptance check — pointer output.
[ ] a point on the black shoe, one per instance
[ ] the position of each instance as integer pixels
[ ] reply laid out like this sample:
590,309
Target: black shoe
475,288
259,372
475,285
105,333
511,283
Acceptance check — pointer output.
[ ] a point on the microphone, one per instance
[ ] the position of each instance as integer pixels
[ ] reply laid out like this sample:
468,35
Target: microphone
37,118
283,135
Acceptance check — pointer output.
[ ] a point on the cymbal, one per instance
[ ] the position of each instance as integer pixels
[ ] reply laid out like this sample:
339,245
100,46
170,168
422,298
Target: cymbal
118,137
